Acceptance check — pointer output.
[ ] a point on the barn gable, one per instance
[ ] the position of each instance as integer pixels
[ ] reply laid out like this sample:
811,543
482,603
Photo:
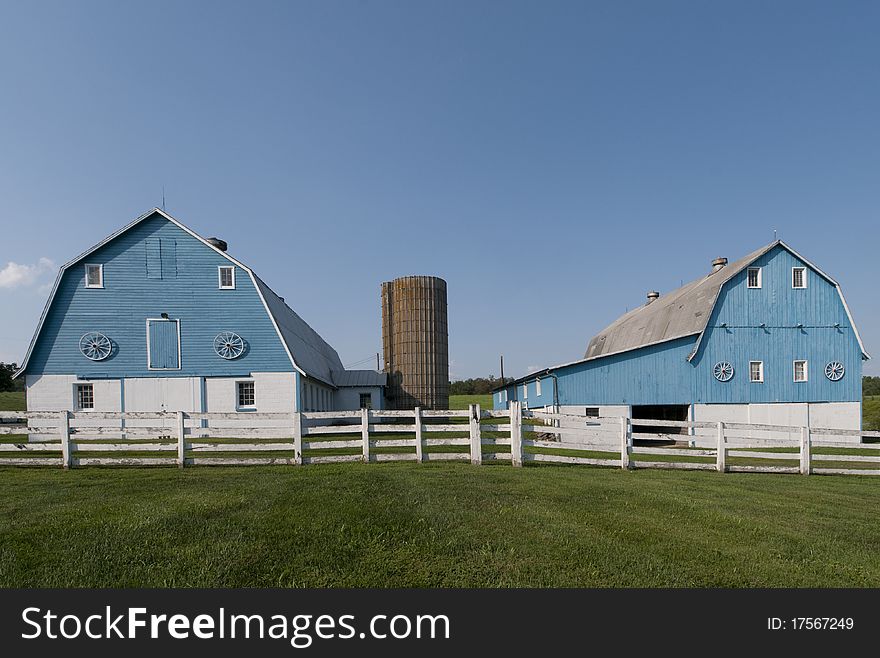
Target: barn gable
157,266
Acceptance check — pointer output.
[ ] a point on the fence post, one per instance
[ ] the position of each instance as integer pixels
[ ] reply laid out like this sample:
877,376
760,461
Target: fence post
181,440
721,450
516,434
806,465
625,443
64,417
365,432
297,438
420,455
476,443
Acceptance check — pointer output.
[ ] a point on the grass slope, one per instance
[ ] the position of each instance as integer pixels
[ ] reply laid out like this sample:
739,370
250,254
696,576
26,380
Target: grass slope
429,525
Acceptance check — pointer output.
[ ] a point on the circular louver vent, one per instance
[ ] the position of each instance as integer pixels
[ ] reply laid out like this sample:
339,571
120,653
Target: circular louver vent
835,371
723,371
228,345
95,346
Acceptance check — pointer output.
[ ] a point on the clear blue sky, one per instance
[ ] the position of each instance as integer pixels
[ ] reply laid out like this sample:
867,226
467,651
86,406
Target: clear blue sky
552,161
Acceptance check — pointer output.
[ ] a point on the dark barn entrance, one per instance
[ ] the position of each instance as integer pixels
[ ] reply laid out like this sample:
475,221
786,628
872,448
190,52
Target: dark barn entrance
659,412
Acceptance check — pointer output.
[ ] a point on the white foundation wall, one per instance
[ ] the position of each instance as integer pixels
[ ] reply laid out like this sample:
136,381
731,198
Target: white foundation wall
57,393
275,393
831,415
606,410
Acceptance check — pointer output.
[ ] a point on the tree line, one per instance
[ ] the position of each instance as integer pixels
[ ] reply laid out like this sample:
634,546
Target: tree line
477,386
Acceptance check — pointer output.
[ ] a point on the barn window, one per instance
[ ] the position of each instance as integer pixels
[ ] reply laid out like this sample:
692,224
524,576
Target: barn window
526,391
247,395
366,401
756,372
754,277
538,387
85,397
94,276
801,373
799,277
227,277
503,395
591,412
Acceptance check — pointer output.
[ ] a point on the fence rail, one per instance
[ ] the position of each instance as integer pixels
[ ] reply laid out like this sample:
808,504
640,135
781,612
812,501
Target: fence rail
68,439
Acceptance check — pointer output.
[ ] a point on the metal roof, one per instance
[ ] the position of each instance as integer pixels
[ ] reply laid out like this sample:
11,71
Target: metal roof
310,352
351,378
682,312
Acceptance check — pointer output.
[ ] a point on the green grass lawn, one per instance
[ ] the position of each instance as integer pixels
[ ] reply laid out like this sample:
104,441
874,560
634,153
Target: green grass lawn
430,525
12,401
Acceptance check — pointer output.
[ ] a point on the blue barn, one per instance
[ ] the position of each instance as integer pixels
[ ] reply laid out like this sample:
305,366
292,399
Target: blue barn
767,339
157,318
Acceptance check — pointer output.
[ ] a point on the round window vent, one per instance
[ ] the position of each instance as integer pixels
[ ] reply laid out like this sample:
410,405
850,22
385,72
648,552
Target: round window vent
228,345
723,371
835,371
95,346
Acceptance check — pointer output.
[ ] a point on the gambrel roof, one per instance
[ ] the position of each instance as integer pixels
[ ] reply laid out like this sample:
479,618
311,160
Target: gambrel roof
310,354
682,313
685,311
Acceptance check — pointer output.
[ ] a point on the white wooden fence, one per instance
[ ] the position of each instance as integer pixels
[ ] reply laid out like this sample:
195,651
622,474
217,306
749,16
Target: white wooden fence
69,439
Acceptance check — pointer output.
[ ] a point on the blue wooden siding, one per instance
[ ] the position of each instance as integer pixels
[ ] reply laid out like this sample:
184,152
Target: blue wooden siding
182,282
163,352
658,374
661,374
781,308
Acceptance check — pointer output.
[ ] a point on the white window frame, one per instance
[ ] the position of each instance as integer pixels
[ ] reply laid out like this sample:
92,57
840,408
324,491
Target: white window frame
100,267
804,270
240,407
76,404
361,394
538,387
759,270
526,391
806,371
760,379
503,395
220,269
179,359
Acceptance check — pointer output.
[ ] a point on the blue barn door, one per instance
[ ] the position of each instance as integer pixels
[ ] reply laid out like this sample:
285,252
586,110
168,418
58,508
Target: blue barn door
164,341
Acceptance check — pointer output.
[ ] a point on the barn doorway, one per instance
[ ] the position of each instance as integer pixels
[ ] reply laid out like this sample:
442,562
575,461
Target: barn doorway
659,412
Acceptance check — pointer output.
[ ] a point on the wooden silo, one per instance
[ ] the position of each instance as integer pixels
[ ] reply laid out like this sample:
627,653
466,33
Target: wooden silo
415,338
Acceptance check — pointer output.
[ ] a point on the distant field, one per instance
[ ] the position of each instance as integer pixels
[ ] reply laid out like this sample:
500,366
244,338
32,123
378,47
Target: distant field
462,401
12,401
871,412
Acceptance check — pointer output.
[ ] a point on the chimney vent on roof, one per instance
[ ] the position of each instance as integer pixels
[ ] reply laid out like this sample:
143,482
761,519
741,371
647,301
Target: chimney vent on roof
718,263
652,296
217,242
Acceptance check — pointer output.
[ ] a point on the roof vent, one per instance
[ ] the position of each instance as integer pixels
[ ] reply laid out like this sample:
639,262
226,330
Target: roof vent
652,296
217,242
718,263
